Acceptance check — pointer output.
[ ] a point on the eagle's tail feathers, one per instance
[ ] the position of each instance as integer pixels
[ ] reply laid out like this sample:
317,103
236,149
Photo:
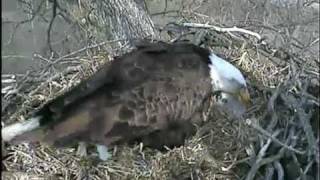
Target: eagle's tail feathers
17,129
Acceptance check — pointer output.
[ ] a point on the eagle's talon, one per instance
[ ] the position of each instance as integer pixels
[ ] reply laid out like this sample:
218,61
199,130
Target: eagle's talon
103,153
82,149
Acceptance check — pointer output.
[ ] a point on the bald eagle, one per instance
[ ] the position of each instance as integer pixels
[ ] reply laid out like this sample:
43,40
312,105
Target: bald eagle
154,95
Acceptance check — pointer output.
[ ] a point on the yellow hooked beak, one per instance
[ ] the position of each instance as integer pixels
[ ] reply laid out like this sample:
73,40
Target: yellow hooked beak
244,97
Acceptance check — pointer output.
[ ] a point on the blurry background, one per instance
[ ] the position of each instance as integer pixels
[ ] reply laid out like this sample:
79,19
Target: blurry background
290,24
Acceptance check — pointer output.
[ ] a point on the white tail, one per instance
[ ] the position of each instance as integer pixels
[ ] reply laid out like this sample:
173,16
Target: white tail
13,130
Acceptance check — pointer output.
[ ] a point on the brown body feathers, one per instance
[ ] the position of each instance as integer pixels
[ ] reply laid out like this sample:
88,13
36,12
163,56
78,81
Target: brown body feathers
153,95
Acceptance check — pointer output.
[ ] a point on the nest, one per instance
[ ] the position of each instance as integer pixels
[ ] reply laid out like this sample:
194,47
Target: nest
278,138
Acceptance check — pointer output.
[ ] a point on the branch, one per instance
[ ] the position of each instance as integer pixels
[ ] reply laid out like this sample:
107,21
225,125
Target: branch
220,29
54,15
82,50
52,78
267,134
24,175
260,160
305,122
269,172
279,169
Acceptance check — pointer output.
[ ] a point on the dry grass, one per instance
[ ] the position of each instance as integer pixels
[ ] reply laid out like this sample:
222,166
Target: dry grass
220,150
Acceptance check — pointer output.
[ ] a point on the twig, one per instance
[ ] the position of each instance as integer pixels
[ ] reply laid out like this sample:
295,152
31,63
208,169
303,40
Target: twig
259,160
269,172
82,50
297,163
14,56
305,122
220,29
235,163
8,81
54,15
279,169
41,57
267,134
164,12
68,70
267,160
271,107
306,170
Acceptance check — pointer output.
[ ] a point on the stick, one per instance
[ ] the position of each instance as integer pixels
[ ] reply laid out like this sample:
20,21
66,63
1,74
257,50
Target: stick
279,168
82,49
269,172
267,134
220,29
259,159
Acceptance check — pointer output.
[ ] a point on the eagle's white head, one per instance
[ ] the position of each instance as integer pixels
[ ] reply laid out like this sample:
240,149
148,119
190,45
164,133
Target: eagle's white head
229,84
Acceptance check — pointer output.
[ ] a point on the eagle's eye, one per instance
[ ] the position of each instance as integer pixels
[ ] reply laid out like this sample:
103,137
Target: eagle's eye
217,94
224,100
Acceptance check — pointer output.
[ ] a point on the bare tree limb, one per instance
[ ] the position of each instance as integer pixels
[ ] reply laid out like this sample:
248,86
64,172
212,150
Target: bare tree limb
267,134
220,29
279,169
259,159
269,172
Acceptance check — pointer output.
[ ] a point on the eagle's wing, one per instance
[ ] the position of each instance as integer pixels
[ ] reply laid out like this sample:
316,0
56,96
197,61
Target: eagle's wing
149,93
